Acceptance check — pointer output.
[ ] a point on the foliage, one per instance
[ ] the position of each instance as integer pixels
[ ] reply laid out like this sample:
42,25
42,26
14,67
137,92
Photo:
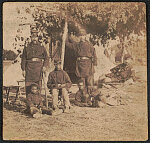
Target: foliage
103,20
9,55
108,20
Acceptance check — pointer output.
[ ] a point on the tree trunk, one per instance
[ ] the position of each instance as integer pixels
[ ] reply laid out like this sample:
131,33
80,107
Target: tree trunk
63,43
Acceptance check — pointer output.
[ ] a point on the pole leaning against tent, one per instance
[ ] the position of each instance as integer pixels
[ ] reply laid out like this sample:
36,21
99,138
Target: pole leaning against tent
63,43
45,90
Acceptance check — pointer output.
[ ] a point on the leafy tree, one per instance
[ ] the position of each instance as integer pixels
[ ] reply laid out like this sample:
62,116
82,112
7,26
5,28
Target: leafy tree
102,21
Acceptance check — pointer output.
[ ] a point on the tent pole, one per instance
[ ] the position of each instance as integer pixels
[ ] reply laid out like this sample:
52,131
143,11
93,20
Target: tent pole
63,43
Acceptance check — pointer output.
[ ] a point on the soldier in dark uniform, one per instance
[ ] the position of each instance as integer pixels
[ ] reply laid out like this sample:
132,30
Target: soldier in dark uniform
86,60
59,81
34,61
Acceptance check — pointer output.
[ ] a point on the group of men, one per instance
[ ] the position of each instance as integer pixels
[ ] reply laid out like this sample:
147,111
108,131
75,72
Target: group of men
34,63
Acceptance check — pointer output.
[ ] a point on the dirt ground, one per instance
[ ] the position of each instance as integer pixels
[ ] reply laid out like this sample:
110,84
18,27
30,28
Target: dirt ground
124,122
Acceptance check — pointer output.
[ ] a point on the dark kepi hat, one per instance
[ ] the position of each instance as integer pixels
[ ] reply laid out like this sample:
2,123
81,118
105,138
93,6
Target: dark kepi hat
34,84
34,33
34,30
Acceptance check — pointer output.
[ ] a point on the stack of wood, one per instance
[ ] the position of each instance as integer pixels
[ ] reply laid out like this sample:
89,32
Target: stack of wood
121,73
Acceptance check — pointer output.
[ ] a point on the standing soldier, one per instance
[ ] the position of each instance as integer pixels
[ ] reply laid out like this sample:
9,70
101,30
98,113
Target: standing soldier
34,61
86,60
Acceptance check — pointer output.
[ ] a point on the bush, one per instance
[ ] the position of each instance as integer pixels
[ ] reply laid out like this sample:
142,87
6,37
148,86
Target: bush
9,55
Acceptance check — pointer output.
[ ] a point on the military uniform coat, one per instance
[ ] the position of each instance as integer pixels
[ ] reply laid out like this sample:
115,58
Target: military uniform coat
84,67
34,100
58,77
33,69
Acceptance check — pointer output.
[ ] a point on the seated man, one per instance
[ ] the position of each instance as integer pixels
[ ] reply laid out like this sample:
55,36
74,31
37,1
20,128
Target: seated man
34,101
59,81
82,97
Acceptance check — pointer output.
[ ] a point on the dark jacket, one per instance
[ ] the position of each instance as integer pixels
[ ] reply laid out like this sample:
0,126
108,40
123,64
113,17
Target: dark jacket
80,94
84,67
34,100
34,68
58,77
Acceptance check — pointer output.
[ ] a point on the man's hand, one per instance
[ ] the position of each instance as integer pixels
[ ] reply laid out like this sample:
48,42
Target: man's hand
34,109
61,85
44,70
23,73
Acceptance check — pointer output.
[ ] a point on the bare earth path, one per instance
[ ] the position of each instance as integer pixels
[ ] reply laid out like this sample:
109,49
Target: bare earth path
124,122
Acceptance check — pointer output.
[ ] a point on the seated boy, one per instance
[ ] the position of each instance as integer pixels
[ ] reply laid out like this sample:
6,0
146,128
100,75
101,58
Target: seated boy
59,81
34,101
82,97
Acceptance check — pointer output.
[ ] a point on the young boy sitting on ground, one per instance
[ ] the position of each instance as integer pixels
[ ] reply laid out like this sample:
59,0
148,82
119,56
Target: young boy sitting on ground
82,97
34,101
59,81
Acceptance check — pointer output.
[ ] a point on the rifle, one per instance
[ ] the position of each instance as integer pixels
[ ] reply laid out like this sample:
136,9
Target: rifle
45,91
112,84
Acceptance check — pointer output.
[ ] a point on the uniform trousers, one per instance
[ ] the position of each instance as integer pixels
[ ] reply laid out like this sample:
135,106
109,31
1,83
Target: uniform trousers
88,81
65,97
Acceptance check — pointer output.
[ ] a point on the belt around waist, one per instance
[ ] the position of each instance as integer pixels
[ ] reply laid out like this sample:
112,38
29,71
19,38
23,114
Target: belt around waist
83,58
35,59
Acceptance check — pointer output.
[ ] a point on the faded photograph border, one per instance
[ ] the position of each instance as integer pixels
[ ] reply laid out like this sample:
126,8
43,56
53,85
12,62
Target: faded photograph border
107,92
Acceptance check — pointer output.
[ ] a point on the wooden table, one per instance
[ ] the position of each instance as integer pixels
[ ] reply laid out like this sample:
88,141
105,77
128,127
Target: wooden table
18,91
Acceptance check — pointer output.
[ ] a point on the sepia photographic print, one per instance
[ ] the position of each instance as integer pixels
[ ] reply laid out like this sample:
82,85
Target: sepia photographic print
75,71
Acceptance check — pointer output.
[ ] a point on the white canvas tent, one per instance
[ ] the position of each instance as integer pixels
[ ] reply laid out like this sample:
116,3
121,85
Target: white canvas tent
103,63
12,74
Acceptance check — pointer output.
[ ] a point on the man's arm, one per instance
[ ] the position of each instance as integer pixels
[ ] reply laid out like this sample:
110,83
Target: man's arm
29,101
67,80
78,96
50,84
40,101
94,58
